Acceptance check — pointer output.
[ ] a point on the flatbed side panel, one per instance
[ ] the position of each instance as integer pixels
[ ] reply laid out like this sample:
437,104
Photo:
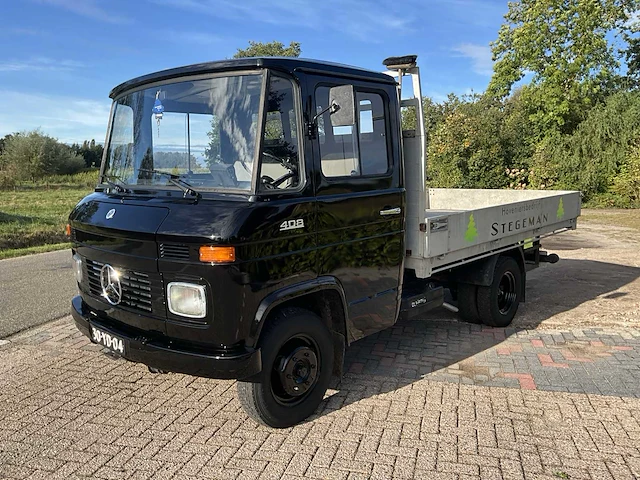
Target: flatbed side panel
470,254
486,225
454,237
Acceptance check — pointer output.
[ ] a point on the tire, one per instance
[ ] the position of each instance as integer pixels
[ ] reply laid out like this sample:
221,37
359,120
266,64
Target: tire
297,354
467,304
498,303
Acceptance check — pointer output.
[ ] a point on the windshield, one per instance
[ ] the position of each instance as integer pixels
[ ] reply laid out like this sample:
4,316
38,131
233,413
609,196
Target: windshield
202,132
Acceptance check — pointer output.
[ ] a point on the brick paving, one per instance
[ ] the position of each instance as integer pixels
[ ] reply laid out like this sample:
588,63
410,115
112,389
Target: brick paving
432,400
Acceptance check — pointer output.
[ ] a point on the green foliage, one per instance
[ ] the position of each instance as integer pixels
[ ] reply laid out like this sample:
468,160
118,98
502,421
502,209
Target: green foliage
433,115
269,49
477,144
592,157
90,151
565,45
626,185
30,155
632,56
3,142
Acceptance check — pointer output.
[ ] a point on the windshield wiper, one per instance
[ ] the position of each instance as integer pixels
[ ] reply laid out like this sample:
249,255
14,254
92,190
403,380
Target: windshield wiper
175,180
117,187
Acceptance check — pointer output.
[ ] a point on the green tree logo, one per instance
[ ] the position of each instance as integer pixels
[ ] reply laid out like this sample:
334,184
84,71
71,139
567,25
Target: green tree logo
560,212
471,233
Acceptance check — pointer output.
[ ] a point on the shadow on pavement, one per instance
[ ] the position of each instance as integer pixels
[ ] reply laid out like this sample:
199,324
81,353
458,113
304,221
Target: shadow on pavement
440,348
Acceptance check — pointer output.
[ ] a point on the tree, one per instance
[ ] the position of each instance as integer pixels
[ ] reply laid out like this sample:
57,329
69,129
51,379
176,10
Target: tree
32,154
627,184
597,152
90,151
269,49
3,142
632,57
474,146
564,45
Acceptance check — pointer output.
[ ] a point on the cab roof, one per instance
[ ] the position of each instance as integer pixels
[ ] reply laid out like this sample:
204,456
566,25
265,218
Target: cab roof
284,64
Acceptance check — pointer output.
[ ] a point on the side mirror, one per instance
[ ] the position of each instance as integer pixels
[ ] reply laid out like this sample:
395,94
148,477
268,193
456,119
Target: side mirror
342,101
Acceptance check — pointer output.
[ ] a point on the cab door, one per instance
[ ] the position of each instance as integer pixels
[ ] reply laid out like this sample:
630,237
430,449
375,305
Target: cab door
360,205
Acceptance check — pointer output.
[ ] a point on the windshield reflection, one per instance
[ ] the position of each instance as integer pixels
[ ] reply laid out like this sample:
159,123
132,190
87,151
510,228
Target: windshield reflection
202,131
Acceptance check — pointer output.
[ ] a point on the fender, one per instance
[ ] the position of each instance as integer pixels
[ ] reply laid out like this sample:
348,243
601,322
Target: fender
291,292
481,272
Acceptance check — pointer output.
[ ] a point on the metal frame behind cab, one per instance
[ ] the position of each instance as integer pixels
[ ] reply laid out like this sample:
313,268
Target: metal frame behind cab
414,160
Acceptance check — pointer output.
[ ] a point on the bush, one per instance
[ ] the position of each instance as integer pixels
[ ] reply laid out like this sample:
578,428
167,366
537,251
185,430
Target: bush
7,179
30,155
479,144
626,185
592,158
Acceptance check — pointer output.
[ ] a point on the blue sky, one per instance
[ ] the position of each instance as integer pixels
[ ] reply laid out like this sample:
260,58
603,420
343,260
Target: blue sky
60,58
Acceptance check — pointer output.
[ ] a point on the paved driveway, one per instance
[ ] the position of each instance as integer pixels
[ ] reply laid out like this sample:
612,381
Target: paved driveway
424,399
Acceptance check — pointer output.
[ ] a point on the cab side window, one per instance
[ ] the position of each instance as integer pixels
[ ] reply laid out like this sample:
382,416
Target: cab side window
355,150
372,134
338,145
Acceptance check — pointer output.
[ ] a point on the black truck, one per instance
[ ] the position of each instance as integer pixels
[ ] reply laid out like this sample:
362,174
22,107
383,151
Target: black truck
254,217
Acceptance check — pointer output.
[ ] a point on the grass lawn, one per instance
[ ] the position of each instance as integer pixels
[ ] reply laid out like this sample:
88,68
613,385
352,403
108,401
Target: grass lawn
36,217
617,217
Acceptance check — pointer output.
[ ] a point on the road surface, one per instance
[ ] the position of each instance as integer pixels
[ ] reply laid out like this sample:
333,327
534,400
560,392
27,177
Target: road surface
34,289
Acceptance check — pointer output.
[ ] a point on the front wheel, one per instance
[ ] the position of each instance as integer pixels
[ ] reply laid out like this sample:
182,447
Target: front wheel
498,303
297,361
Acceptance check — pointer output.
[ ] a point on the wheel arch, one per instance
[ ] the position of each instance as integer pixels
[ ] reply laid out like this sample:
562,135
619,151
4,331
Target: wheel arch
480,272
323,296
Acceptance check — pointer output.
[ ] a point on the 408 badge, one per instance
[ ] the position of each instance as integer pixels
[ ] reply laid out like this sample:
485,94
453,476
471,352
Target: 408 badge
292,224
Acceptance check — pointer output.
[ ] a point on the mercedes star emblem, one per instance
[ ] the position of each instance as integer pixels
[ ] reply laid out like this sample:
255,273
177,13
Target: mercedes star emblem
111,213
110,282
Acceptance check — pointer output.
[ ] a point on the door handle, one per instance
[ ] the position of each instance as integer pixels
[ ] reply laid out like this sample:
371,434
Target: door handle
391,211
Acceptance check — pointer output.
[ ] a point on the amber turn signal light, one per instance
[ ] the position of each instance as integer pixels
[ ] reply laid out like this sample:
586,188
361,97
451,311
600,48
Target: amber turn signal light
211,254
67,230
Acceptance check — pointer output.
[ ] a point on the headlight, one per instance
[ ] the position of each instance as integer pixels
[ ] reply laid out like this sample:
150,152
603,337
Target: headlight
187,299
77,267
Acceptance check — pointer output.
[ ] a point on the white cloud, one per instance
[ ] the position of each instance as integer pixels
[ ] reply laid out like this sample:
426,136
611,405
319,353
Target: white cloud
480,56
89,9
38,64
70,119
362,19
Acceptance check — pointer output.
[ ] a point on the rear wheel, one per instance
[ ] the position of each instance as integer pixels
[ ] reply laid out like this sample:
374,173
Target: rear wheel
498,303
467,304
297,361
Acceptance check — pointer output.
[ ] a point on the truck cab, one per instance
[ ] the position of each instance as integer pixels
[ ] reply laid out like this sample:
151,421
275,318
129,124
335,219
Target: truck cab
250,223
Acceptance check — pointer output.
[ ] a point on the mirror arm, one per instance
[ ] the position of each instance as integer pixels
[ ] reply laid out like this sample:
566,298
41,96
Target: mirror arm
313,125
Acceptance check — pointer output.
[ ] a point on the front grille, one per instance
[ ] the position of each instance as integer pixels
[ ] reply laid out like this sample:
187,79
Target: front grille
175,251
137,287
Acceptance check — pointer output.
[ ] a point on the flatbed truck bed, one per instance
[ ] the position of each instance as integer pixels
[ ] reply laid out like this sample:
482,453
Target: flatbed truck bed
462,226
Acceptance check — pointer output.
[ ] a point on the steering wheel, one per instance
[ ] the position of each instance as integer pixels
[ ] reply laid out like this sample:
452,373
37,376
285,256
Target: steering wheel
271,184
268,182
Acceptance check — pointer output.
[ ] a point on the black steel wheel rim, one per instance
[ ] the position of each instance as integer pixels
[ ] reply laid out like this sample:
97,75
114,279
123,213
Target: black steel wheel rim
296,370
507,293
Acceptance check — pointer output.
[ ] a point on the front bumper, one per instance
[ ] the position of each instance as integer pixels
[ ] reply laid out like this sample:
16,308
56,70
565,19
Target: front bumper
165,356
